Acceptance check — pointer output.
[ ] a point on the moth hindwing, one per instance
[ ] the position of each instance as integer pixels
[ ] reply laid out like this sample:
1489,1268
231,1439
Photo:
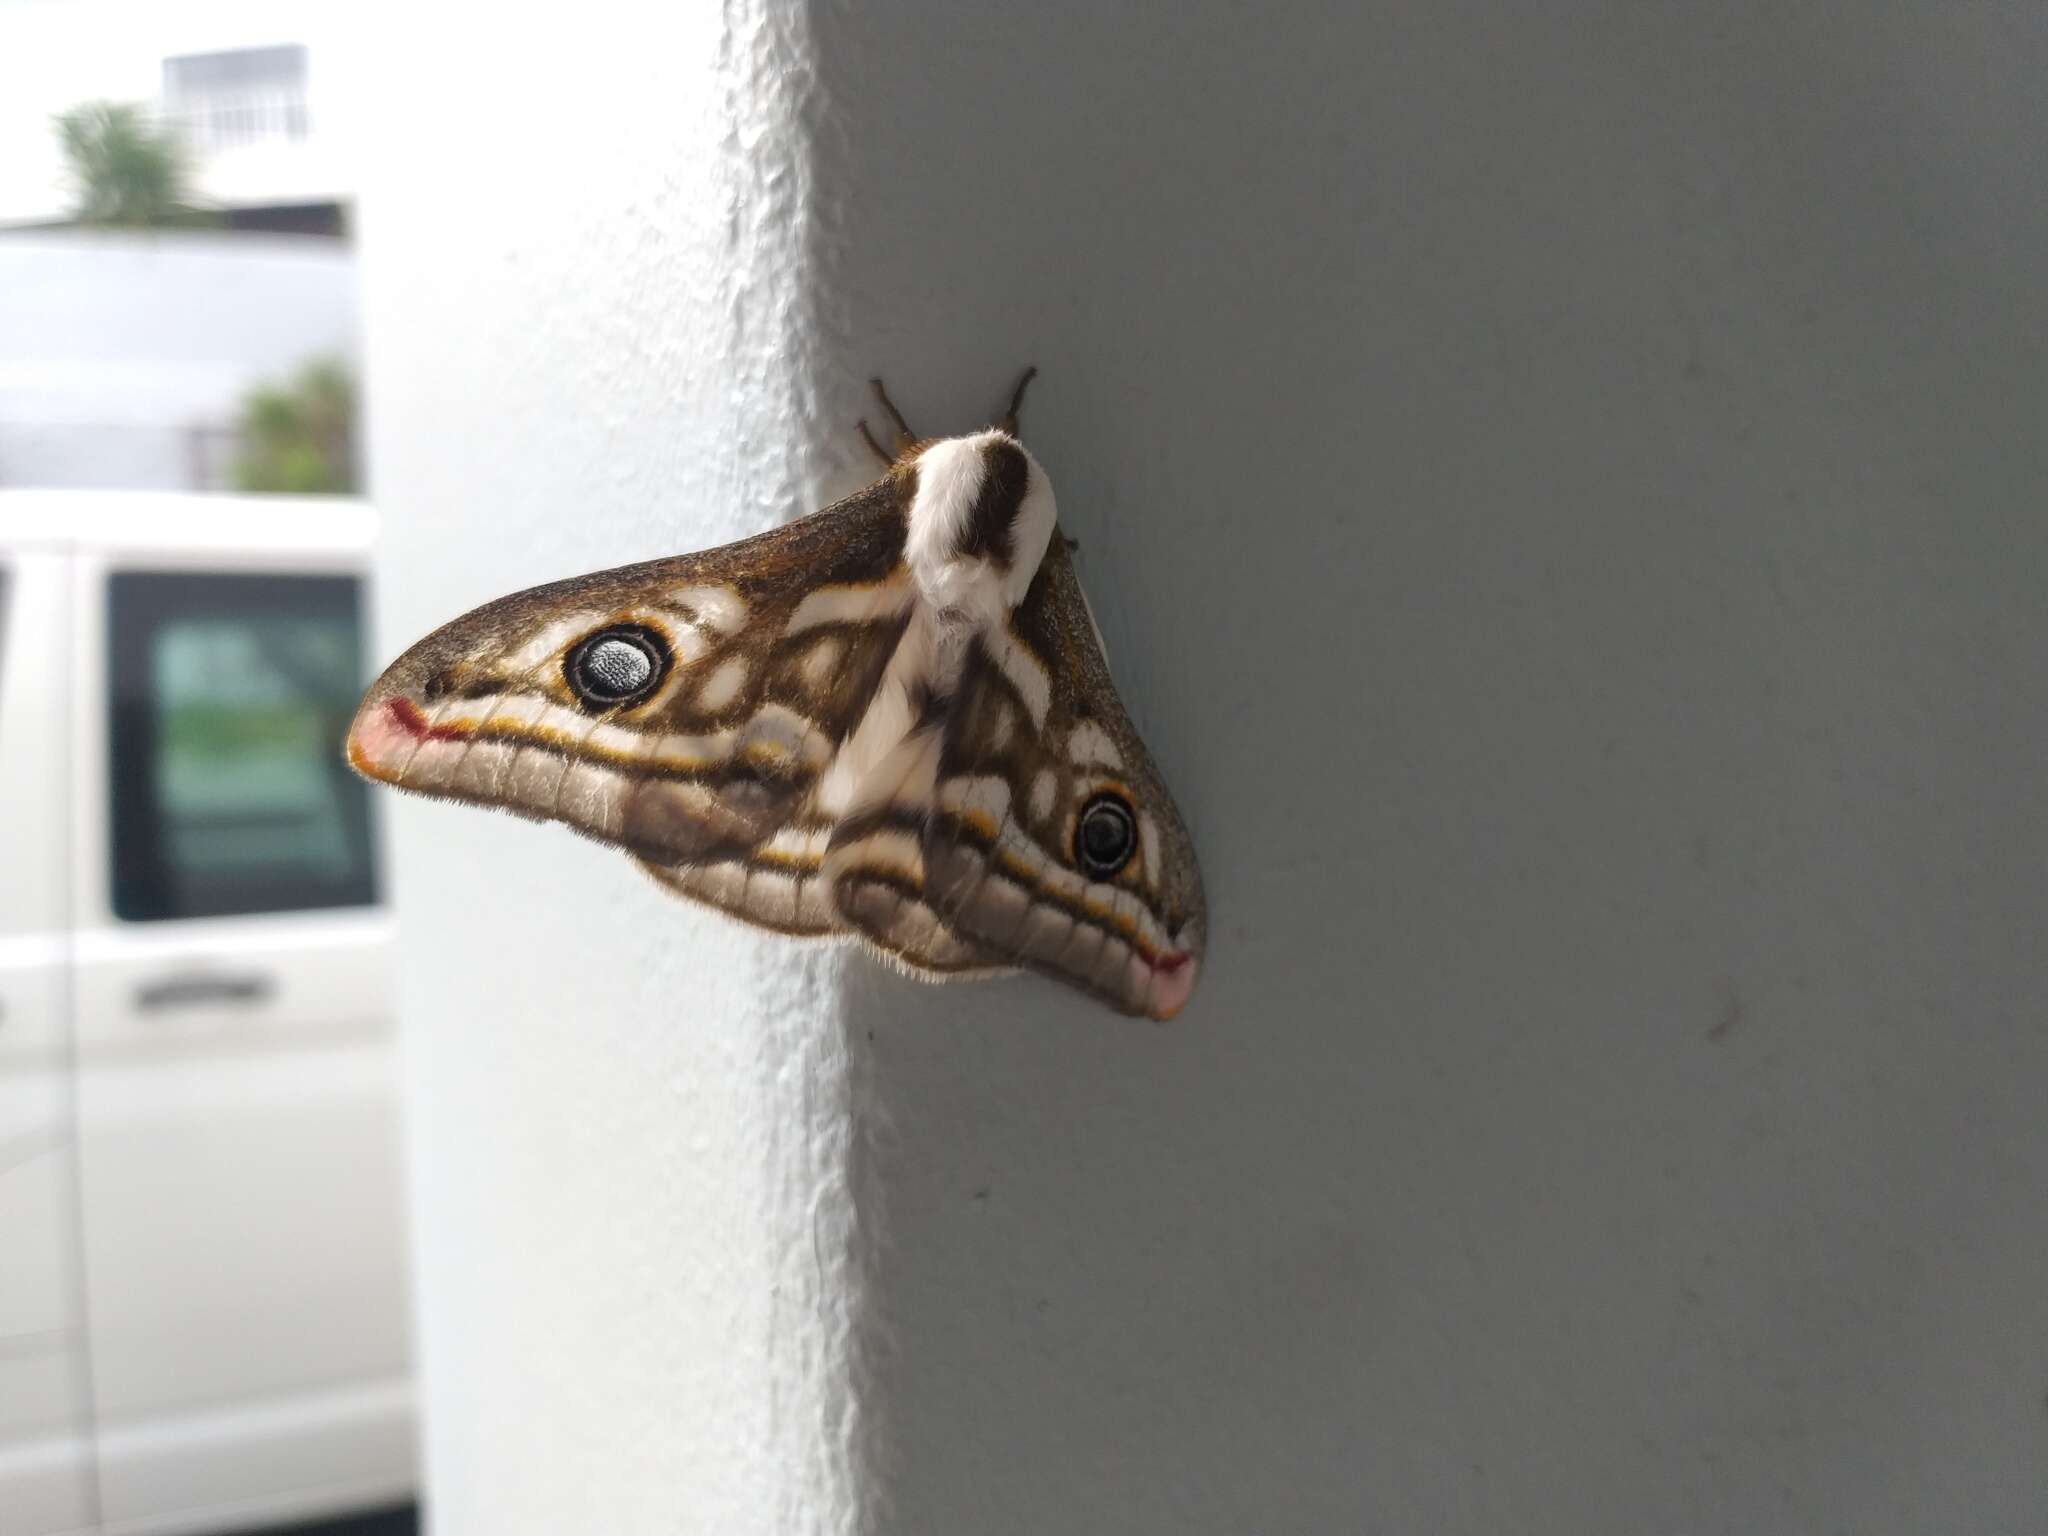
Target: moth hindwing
891,721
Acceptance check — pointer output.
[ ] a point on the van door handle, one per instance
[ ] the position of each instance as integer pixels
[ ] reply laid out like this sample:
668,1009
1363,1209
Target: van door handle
193,989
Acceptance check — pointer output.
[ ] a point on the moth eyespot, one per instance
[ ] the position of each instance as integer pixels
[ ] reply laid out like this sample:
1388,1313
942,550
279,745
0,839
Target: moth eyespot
616,666
1105,836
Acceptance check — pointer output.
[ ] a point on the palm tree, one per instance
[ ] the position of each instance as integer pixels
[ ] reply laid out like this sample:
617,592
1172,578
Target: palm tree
129,173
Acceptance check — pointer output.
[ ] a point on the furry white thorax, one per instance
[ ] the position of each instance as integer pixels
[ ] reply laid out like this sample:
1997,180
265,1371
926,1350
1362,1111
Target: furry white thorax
949,476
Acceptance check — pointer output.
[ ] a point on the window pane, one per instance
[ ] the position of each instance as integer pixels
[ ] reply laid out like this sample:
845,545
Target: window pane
230,698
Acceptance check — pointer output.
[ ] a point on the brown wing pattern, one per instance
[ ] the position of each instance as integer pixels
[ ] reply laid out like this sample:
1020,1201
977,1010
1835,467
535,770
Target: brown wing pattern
768,654
891,720
878,868
1035,737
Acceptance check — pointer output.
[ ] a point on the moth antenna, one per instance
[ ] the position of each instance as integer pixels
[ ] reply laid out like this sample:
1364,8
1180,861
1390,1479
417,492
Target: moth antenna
905,438
888,461
1009,421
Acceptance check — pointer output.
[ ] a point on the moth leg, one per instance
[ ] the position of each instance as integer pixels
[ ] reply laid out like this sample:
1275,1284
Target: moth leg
905,438
888,459
1009,421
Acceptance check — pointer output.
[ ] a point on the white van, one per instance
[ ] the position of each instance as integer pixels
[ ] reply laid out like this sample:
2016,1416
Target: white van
203,1318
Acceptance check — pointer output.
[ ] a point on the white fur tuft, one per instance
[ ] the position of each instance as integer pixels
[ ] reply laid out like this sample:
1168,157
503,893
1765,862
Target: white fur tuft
1031,532
949,479
949,476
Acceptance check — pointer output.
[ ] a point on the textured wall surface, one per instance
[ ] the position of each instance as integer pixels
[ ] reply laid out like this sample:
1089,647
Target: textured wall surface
1562,493
584,302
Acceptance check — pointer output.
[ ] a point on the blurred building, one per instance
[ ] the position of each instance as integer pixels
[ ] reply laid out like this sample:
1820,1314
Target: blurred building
125,356
247,114
256,92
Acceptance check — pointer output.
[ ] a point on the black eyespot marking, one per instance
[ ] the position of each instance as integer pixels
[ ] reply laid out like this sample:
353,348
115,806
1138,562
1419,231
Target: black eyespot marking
618,665
1105,836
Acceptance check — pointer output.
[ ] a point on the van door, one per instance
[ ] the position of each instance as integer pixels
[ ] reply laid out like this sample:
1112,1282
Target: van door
46,1482
238,1131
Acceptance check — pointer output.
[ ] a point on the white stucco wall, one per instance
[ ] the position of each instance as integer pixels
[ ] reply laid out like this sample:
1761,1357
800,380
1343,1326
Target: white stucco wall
1562,492
586,344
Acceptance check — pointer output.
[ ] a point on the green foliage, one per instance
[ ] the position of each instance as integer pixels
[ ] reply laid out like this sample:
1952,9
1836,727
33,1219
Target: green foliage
298,437
128,172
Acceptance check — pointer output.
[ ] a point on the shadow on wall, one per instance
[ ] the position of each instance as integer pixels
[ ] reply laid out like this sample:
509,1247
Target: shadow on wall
1553,493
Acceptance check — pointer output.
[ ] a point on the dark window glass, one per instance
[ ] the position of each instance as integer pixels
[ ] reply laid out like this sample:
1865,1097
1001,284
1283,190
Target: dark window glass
230,696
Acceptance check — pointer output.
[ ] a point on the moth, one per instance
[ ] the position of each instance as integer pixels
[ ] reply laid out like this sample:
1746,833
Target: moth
891,720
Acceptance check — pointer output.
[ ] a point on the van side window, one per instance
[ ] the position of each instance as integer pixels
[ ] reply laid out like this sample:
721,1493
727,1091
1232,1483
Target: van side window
230,695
